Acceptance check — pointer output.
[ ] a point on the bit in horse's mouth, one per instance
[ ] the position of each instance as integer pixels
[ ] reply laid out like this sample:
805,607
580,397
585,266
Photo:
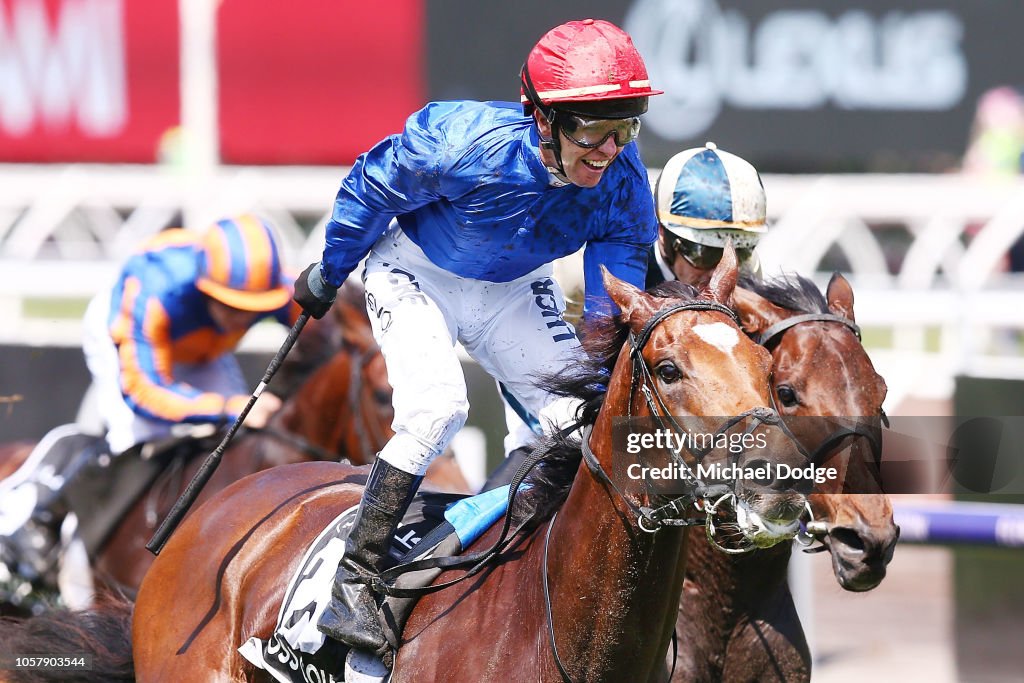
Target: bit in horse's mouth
764,532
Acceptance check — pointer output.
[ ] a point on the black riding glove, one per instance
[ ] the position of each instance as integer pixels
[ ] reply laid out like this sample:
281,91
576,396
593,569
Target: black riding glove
313,293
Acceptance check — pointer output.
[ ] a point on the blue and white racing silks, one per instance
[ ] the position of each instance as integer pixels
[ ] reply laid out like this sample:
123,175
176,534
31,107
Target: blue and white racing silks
467,185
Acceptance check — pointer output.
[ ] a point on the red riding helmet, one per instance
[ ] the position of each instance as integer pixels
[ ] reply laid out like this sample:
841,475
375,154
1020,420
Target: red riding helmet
587,67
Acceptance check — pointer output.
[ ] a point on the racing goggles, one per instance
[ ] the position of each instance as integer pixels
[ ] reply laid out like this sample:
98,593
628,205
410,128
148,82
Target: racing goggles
703,257
591,133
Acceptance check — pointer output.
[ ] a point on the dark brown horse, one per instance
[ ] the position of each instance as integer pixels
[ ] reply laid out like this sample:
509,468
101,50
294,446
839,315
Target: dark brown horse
612,587
737,620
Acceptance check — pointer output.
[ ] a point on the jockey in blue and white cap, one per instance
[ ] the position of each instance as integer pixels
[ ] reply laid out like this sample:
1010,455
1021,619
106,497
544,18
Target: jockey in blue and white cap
705,197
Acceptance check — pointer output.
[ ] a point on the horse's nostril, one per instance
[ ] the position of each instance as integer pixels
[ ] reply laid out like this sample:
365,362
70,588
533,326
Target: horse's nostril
847,537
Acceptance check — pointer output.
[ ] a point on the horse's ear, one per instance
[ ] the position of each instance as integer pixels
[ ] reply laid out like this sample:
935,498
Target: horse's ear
723,278
839,295
634,303
756,313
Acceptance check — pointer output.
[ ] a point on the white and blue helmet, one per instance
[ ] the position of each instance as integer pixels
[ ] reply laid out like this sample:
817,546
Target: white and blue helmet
708,196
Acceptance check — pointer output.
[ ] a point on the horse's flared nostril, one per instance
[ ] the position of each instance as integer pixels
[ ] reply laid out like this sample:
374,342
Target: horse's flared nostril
848,538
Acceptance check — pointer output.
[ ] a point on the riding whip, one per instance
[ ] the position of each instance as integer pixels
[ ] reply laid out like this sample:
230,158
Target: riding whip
188,497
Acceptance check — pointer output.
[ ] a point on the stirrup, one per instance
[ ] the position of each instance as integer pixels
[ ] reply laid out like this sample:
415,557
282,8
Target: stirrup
362,666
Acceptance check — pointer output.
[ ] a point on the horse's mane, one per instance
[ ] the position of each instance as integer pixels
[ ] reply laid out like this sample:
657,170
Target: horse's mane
789,291
586,381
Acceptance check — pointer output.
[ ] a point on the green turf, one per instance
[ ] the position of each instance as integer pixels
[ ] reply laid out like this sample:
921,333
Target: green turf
54,308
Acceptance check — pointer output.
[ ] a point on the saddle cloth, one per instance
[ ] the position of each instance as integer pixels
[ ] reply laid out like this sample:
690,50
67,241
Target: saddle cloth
437,524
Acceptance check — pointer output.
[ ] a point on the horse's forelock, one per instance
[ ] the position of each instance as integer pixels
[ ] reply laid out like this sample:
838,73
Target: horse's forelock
790,291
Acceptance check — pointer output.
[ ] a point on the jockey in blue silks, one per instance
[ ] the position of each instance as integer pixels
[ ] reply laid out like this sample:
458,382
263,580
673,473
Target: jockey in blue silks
459,218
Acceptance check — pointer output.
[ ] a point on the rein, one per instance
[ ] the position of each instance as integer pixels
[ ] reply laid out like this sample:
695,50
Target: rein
551,620
385,582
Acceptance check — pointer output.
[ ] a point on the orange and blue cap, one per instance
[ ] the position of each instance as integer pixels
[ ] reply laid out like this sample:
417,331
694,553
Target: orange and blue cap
240,265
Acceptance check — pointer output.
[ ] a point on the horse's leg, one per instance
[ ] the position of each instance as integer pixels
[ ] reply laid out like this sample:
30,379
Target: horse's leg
769,645
702,630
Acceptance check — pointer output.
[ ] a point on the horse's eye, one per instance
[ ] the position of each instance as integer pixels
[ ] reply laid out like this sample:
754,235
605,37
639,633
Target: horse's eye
787,396
668,372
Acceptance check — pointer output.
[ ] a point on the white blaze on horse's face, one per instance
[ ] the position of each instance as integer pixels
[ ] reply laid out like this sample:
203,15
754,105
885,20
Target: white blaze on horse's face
723,337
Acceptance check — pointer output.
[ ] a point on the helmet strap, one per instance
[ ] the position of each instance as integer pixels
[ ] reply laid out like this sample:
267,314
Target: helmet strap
669,253
554,143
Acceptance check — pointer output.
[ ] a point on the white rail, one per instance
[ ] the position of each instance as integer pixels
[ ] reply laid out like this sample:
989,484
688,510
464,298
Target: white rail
923,252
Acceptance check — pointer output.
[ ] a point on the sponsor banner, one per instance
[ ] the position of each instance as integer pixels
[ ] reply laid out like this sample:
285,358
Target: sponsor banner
789,84
315,82
98,80
87,80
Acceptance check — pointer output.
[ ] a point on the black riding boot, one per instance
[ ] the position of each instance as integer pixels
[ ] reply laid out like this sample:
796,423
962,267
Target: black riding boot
352,615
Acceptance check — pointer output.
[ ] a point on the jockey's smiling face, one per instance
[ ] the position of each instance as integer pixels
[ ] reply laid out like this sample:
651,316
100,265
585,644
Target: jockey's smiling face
583,166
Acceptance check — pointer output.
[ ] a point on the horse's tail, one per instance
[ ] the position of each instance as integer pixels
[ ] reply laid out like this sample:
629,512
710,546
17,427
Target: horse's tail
101,634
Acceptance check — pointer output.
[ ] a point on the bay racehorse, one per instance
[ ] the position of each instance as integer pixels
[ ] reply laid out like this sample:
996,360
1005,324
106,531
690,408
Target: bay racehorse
611,587
737,620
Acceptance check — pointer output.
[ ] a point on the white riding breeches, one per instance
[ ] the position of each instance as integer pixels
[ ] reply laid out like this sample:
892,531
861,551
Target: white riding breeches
125,427
418,312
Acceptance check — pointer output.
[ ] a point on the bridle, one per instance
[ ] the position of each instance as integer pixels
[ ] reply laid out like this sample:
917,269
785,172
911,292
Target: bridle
698,494
812,529
774,333
768,336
